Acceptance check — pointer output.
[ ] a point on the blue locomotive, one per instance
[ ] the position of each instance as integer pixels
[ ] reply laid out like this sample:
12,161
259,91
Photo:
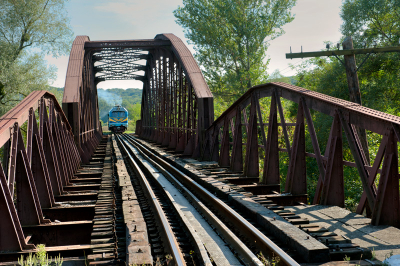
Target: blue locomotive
118,119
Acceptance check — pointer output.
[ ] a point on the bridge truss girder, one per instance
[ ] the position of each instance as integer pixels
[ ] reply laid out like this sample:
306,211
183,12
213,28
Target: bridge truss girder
245,124
33,170
177,105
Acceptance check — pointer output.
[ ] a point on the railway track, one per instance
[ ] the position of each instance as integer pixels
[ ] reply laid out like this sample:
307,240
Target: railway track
195,226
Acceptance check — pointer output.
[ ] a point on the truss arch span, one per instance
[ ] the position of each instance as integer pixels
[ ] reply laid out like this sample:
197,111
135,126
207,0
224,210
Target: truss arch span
177,105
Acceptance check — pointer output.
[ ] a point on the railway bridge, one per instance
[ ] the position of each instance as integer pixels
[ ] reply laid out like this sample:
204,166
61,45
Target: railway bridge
188,189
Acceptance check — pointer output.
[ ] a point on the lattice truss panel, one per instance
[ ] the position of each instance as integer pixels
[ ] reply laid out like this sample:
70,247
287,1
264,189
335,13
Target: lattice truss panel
169,104
119,64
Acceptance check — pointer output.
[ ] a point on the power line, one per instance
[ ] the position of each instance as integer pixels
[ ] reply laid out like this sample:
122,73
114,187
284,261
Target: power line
293,65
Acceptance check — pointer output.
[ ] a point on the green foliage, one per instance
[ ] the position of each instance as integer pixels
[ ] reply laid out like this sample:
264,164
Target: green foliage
366,21
134,115
39,24
372,20
58,93
28,31
220,105
41,258
267,261
26,74
231,38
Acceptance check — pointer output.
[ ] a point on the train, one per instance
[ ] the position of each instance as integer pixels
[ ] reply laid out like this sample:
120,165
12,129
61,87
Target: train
118,119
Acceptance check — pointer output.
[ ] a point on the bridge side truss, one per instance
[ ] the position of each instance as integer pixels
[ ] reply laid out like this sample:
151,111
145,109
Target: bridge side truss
177,105
242,130
39,158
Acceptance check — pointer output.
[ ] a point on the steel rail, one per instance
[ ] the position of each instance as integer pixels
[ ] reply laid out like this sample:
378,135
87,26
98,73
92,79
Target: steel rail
245,254
260,239
173,244
200,248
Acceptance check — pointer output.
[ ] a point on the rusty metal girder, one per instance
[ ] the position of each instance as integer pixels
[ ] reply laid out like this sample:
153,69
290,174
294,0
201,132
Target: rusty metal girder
35,168
383,200
136,44
80,99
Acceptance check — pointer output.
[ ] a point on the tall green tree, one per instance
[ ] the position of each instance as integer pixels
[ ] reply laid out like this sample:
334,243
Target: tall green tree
29,30
369,22
231,39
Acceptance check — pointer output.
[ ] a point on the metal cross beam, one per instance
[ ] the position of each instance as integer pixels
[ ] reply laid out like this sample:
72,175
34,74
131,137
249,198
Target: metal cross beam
344,52
140,44
121,63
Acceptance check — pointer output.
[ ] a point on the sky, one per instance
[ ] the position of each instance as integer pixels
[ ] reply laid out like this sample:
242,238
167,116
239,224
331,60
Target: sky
315,21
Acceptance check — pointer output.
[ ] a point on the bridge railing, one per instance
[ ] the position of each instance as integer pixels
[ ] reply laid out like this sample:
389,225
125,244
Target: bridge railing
39,157
241,129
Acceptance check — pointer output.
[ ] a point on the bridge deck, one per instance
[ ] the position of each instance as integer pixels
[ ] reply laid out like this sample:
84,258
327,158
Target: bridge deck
383,240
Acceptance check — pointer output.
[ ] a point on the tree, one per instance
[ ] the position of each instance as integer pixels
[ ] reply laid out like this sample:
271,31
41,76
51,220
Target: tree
231,39
372,21
35,23
28,31
26,74
276,76
134,115
367,21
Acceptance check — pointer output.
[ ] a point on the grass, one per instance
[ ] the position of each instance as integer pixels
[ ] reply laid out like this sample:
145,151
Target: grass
40,258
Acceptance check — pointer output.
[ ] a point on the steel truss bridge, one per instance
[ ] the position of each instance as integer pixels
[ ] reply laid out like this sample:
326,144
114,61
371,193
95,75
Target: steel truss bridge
44,143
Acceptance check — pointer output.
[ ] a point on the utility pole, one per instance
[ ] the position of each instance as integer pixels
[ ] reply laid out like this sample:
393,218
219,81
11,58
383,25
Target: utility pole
354,89
351,71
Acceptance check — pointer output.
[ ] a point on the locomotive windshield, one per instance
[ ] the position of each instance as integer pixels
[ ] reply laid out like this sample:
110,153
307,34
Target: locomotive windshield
118,114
